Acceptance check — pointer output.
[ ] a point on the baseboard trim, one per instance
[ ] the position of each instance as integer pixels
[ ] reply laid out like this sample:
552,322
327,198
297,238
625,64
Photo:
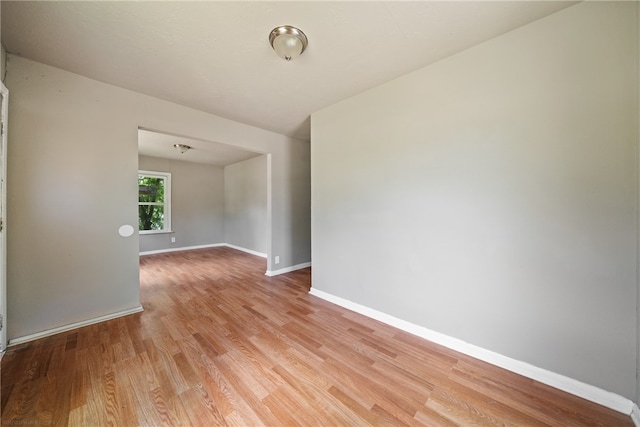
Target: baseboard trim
214,245
269,273
635,415
561,382
249,251
184,248
272,273
69,327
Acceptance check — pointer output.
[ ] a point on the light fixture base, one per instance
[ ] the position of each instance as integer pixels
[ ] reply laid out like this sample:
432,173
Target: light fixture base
288,42
182,148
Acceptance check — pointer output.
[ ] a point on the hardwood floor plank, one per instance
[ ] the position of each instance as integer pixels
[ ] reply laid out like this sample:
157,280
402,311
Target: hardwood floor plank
107,394
590,415
64,382
160,407
363,412
249,377
246,397
504,387
77,417
210,377
80,382
283,409
185,369
220,343
200,409
177,412
137,380
483,405
430,418
224,396
125,400
308,393
386,399
388,417
46,402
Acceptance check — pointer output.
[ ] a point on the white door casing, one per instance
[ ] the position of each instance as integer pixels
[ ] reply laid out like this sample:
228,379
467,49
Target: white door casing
4,107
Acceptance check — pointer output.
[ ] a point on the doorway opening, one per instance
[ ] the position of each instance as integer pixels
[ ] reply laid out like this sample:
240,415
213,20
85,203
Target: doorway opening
220,194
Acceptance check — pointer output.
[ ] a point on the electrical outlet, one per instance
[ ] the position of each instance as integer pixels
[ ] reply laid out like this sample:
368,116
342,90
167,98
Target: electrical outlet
173,240
277,259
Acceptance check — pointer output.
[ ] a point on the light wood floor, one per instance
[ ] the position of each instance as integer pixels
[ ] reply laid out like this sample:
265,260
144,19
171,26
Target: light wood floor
219,343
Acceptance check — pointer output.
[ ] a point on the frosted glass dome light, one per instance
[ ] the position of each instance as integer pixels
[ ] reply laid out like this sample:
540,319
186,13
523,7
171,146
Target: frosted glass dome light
182,148
288,42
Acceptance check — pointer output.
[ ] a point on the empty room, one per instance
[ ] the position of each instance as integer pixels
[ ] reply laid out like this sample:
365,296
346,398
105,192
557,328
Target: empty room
320,213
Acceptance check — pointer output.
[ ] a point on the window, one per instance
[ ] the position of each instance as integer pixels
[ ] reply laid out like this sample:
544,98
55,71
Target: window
154,202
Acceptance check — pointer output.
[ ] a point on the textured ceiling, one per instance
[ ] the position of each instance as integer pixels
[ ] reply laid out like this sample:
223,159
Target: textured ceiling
215,56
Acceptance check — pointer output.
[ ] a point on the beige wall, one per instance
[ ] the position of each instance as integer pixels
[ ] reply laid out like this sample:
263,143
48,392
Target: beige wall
197,204
73,163
492,196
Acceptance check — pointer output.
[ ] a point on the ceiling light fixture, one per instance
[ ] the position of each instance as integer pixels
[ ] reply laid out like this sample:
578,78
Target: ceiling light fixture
182,148
288,42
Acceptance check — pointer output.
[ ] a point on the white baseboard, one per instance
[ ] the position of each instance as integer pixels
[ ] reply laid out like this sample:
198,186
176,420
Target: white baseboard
249,251
635,415
561,382
213,245
271,273
184,248
65,328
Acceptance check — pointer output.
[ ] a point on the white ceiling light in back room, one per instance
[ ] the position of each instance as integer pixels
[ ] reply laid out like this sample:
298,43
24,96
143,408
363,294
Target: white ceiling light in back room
288,42
182,148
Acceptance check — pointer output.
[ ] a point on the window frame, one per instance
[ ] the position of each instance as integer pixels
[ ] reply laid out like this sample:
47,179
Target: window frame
166,204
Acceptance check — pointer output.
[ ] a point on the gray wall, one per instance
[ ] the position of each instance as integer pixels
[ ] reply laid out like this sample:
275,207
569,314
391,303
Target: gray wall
492,196
72,167
197,204
73,162
245,204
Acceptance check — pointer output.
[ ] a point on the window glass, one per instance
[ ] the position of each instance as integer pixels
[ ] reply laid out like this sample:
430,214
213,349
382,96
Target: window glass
153,201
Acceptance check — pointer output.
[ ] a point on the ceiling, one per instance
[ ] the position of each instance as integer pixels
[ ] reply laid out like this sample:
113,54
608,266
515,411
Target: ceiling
215,56
157,144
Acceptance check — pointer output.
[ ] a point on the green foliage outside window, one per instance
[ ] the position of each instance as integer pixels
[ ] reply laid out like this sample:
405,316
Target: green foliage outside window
151,199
